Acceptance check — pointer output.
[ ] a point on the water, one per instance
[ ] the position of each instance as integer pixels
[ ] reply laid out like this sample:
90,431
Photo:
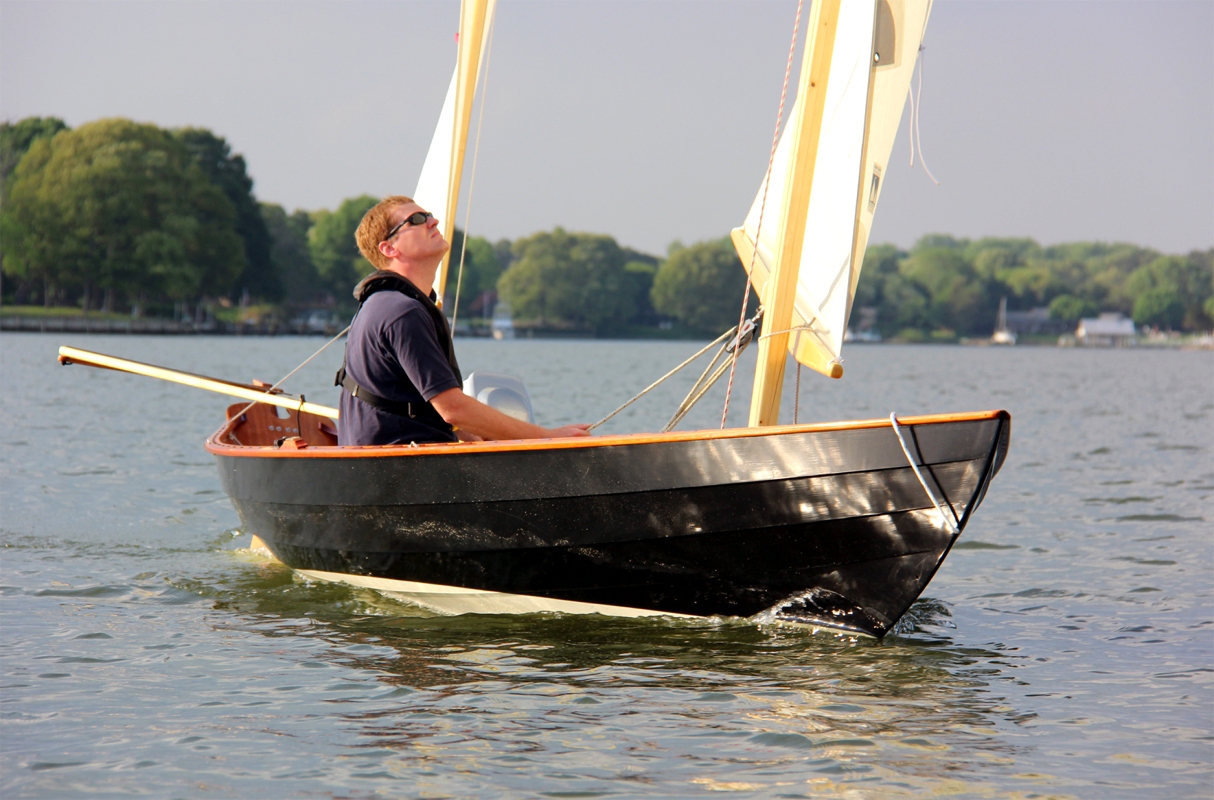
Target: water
1065,649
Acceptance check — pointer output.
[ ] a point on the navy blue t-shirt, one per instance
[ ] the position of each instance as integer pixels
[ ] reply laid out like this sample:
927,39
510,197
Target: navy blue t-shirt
393,351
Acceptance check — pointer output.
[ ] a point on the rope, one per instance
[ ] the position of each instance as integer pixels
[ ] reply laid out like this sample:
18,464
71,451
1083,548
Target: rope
297,369
793,329
950,523
476,149
651,386
694,393
796,402
916,102
691,400
775,140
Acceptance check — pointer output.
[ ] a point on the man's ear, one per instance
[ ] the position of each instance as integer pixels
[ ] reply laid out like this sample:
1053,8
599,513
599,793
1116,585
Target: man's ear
387,250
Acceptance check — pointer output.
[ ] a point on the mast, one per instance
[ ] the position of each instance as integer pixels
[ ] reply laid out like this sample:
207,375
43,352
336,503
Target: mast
781,283
804,239
439,184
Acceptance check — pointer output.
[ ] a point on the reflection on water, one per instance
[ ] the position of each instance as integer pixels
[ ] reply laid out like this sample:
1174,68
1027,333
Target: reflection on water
769,705
1066,649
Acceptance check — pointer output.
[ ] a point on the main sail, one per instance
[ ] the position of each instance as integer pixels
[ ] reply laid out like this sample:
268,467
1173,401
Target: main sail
824,184
439,183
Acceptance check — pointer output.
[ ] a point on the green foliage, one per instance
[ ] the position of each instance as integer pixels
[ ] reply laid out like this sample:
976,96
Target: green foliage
481,272
1071,308
1186,279
125,213
638,284
290,257
122,207
948,284
572,278
1161,307
339,265
214,156
16,138
701,285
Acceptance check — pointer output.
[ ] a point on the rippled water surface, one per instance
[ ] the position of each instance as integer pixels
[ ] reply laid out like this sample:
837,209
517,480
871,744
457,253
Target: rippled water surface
1065,649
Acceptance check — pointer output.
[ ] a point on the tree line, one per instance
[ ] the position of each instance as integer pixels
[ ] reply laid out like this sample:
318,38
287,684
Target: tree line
947,286
122,216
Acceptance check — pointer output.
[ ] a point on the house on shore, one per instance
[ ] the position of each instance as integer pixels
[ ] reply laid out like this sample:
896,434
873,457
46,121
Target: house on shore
1036,321
1108,330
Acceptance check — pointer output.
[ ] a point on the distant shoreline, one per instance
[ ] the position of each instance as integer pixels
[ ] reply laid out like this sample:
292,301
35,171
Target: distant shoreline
148,326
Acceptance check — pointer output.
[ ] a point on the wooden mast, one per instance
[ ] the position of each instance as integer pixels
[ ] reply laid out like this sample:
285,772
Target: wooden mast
780,289
474,19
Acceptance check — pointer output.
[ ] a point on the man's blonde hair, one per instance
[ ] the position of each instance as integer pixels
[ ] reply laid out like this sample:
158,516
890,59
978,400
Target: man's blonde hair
375,226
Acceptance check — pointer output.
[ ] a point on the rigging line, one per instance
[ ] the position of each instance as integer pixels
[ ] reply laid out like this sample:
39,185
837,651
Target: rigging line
796,402
688,401
702,385
476,149
950,523
646,390
292,372
794,329
712,381
775,141
918,107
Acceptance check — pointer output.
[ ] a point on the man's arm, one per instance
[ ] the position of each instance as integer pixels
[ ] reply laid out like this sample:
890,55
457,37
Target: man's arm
473,416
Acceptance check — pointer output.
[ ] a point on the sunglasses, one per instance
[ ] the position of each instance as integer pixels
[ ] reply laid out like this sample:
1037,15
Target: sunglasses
418,218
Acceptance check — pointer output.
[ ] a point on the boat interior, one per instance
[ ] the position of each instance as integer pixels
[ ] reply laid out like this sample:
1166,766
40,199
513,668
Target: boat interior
264,425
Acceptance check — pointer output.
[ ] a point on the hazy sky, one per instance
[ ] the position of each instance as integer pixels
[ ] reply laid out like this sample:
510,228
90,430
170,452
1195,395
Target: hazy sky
651,121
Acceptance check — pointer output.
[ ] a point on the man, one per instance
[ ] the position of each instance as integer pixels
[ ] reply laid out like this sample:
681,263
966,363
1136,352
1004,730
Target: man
400,381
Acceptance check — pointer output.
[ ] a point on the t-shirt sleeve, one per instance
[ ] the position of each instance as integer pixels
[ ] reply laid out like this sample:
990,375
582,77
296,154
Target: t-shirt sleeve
415,343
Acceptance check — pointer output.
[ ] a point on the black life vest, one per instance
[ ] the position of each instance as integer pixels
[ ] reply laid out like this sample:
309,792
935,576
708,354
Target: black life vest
422,411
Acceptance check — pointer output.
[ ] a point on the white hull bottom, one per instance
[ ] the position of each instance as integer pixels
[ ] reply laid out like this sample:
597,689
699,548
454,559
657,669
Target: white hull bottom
458,600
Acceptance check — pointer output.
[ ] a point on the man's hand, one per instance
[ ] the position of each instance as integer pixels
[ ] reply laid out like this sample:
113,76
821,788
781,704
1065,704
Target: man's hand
473,416
581,429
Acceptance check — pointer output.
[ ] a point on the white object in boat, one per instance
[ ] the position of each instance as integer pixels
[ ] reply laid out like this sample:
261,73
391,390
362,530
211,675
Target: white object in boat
504,392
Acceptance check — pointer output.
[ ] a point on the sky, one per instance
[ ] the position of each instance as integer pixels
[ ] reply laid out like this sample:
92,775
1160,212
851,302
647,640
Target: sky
652,120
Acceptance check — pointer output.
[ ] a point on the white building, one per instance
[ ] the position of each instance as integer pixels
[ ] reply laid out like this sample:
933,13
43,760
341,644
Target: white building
1107,330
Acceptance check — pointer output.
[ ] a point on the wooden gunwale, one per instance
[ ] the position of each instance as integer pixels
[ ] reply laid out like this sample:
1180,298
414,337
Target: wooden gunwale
215,446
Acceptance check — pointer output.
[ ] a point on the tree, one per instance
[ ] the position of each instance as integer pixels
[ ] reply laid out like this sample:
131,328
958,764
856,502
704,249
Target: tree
214,156
339,265
880,262
289,253
638,278
1069,308
1161,307
958,296
1189,281
567,278
121,206
16,138
480,274
905,307
701,286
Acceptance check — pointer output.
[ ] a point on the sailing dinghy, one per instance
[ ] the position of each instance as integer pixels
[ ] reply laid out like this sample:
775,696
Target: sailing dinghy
838,525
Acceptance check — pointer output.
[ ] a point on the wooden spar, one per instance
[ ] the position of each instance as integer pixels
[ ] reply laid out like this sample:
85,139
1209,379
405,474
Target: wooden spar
781,287
474,19
71,355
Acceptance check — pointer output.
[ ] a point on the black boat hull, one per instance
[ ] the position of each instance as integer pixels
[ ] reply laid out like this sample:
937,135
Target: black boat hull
824,524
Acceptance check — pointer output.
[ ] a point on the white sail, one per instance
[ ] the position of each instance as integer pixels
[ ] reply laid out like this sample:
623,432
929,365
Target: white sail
872,50
439,183
433,185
